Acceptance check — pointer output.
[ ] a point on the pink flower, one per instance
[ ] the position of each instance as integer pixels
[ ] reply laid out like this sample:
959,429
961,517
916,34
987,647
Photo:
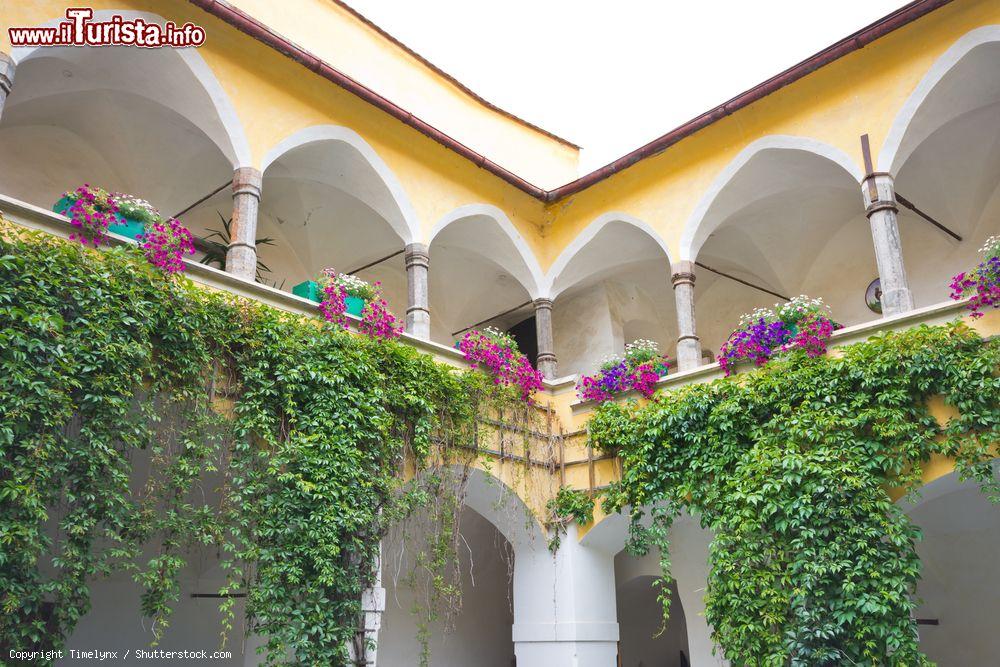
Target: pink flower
166,243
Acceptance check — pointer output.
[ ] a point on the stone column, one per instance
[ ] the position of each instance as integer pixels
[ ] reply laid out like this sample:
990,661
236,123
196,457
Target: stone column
565,610
241,257
6,78
543,330
880,207
418,315
688,344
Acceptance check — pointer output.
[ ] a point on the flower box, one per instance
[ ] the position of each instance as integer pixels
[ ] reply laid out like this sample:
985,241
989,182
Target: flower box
310,289
354,305
124,226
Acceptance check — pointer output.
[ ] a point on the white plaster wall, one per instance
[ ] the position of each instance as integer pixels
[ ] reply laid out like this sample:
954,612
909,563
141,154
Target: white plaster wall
960,580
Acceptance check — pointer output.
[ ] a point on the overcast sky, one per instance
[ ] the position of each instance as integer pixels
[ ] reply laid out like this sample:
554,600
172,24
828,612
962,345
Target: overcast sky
611,75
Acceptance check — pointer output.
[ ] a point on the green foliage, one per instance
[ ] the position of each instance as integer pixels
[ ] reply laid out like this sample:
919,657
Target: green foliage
269,438
790,466
572,504
567,505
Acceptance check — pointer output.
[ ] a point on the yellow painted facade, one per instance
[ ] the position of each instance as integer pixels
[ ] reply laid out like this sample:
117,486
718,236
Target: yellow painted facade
275,97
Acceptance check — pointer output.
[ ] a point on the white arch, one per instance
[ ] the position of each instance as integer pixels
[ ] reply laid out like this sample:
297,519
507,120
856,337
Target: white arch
320,133
689,249
888,156
238,150
535,288
588,234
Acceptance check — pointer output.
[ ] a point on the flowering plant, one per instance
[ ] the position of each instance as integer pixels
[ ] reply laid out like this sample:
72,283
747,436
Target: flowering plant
802,323
376,319
983,282
166,243
497,352
350,284
135,208
638,370
93,210
91,213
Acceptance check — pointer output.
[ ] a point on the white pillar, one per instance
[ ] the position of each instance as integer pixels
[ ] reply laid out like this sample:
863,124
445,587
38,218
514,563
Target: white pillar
688,343
880,207
418,316
543,329
6,78
241,256
564,606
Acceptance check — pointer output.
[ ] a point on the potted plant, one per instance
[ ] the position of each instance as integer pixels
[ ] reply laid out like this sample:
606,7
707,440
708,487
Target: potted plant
215,250
983,282
801,323
638,370
356,292
344,293
116,212
497,353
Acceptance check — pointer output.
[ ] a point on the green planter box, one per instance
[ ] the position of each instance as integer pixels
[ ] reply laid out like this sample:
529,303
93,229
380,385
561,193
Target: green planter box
354,305
123,227
311,290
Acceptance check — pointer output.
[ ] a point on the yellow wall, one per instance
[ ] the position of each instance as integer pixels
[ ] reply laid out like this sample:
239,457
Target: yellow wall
274,97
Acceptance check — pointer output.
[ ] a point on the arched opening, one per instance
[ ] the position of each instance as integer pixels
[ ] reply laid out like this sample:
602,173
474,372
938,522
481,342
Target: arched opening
640,616
154,123
480,634
958,591
326,203
785,218
611,286
481,274
944,150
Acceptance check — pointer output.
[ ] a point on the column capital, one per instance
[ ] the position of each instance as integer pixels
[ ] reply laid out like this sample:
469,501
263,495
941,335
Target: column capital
682,272
416,254
247,181
7,67
542,302
878,191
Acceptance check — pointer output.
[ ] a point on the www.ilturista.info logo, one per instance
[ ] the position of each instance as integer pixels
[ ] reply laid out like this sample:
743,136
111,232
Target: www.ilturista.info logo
80,30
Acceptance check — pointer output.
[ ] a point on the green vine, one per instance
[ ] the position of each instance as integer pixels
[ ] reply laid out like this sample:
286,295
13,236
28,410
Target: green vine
790,467
143,415
568,505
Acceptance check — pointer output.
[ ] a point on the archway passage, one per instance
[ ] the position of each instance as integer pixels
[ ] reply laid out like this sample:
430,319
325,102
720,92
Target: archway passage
787,220
131,120
609,290
947,163
481,632
643,639
960,571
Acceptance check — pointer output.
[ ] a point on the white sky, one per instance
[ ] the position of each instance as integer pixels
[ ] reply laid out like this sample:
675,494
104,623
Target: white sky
611,75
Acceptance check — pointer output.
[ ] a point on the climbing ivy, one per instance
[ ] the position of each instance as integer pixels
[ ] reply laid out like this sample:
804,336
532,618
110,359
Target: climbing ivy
568,505
143,418
791,468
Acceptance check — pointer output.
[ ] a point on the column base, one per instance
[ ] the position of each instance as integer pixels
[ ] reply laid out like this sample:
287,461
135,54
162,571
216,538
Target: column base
688,354
578,654
896,301
418,324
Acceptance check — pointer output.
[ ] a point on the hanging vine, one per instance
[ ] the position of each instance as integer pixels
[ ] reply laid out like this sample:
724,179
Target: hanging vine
143,417
789,466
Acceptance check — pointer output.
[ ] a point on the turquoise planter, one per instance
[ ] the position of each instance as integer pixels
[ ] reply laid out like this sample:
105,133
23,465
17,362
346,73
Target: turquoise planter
123,227
354,305
309,290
